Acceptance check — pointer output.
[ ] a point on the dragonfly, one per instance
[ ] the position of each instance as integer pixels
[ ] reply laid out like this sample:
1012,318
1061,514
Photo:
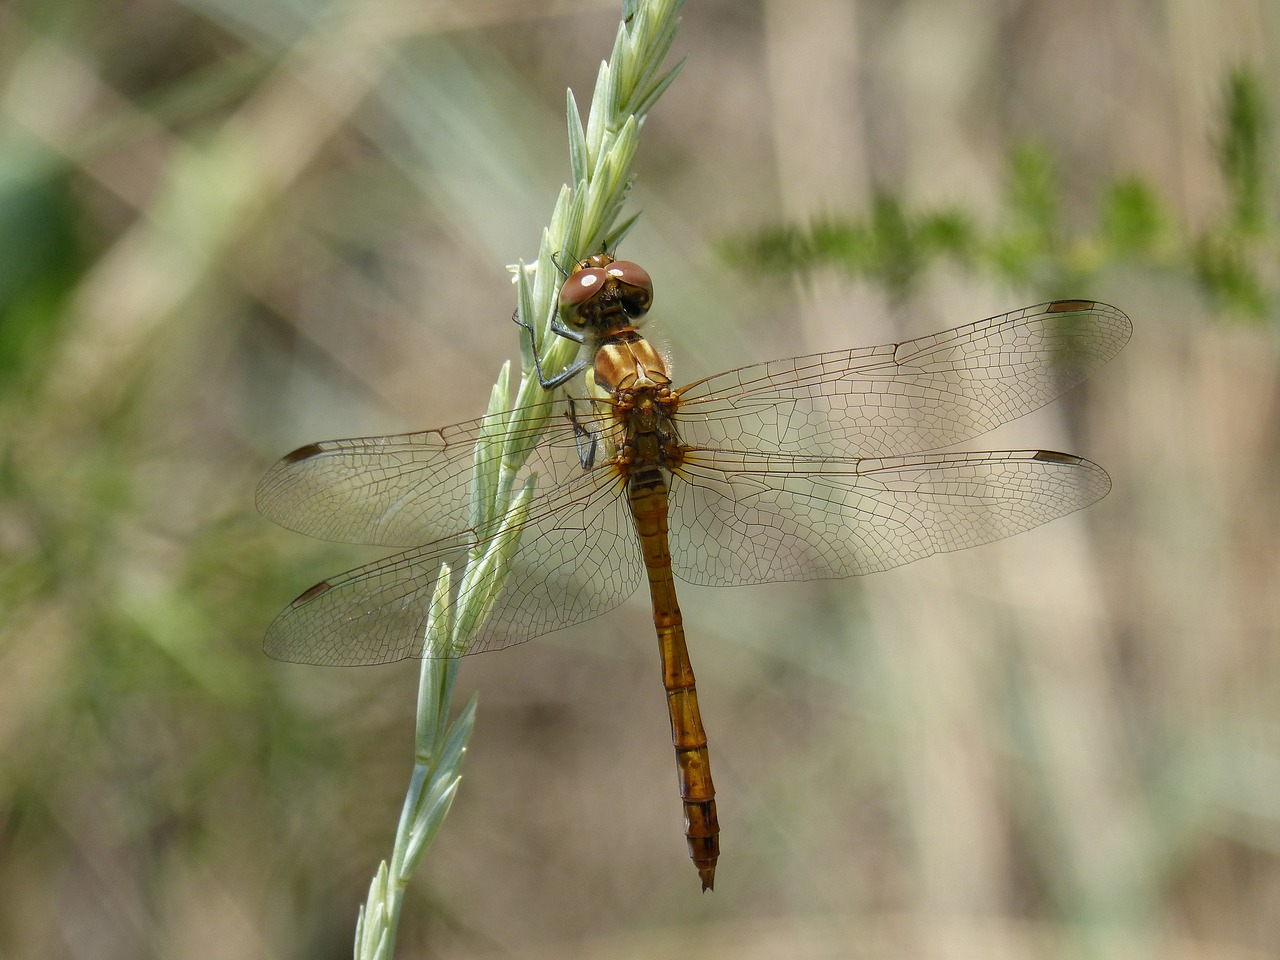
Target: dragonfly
826,465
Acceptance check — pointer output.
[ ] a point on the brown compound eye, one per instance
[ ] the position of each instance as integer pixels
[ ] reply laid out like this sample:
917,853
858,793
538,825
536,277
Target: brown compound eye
583,286
637,287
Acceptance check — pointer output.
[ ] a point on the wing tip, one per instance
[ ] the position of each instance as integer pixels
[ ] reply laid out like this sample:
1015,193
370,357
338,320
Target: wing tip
1100,479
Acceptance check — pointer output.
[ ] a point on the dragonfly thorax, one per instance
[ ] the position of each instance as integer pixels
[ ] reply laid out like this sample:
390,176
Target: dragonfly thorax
646,438
627,361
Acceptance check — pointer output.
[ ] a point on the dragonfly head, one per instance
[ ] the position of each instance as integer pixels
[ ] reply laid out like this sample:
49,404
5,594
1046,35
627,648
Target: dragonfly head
599,287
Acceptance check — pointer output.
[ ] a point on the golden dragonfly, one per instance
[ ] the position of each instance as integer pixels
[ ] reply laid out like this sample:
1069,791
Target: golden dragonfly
823,465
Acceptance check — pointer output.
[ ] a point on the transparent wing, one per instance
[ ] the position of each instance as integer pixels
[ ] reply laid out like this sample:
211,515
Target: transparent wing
903,398
756,500
578,557
743,518
405,490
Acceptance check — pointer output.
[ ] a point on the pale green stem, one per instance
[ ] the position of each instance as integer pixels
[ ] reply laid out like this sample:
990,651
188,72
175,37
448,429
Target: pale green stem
584,218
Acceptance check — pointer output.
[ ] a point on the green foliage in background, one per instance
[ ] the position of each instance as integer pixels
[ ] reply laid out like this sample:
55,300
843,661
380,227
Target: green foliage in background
1235,259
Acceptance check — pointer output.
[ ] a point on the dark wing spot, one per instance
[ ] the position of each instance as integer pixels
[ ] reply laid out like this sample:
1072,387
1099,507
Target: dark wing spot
1049,456
310,594
302,453
1070,306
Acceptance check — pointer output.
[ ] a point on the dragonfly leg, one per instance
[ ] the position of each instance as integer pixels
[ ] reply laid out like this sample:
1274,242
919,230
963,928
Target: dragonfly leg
563,377
587,442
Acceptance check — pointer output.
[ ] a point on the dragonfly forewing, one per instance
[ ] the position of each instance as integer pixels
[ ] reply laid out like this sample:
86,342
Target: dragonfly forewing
902,398
404,490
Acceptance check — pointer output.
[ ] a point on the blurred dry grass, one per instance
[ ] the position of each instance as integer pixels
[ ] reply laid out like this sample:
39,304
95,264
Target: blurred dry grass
228,229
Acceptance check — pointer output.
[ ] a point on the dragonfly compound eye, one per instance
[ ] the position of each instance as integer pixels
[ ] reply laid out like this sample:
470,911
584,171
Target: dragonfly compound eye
582,287
635,288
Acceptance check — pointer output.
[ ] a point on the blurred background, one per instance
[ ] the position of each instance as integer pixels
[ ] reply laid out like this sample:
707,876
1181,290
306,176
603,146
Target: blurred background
230,228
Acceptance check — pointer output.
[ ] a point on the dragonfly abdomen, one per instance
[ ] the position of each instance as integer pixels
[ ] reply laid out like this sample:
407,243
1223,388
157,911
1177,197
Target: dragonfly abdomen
647,494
